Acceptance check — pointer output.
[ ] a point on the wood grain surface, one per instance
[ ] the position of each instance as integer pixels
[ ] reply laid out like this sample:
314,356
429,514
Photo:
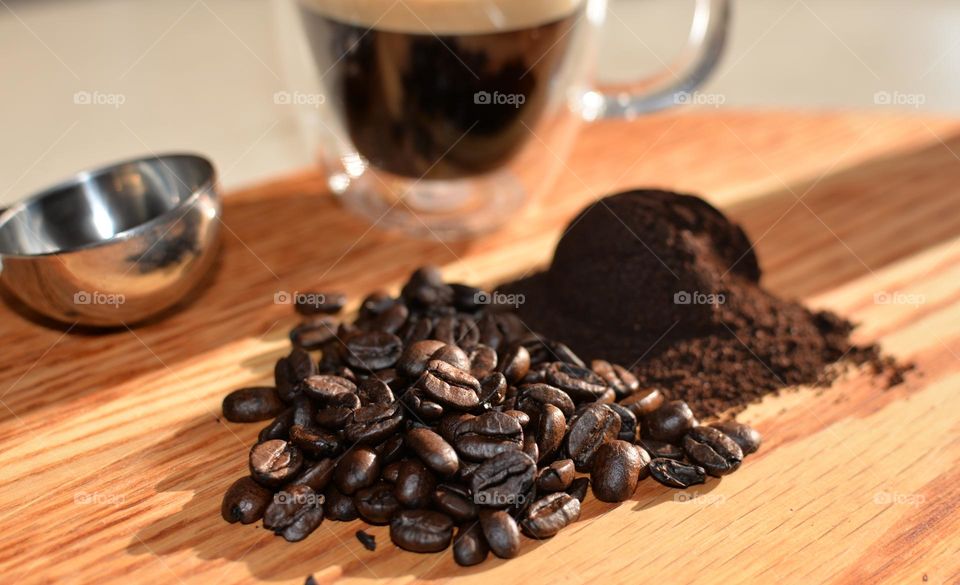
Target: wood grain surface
114,457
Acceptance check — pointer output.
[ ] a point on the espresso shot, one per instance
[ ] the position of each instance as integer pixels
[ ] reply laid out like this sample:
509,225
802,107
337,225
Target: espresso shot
425,92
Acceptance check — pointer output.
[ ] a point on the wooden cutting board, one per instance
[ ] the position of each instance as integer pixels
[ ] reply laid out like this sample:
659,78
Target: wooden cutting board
114,457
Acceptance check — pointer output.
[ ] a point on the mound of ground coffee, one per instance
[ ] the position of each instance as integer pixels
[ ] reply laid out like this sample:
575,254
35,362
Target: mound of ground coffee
667,286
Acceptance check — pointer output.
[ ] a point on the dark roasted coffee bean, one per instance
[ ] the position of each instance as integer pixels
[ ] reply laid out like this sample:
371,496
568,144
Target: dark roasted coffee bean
590,430
416,329
314,303
449,423
493,390
358,469
659,449
676,474
628,423
483,362
501,532
643,402
274,462
556,477
503,480
455,501
422,531
449,386
422,406
376,504
245,501
373,350
333,418
391,450
470,546
340,507
375,391
314,442
414,485
550,514
368,541
551,429
469,298
579,383
445,329
252,404
278,428
392,319
313,333
616,377
746,436
426,288
413,360
372,424
435,453
713,450
578,488
376,303
616,470
515,364
454,356
303,411
291,371
670,422
530,447
391,472
294,513
317,476
327,387
533,396
480,438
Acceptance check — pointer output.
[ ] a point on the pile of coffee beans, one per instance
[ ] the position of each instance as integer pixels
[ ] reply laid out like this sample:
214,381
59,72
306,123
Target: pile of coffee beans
446,418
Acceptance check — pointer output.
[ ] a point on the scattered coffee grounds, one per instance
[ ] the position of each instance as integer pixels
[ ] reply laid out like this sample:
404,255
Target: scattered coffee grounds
443,417
368,541
667,286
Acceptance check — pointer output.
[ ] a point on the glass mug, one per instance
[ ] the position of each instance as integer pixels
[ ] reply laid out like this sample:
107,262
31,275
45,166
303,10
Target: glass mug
443,117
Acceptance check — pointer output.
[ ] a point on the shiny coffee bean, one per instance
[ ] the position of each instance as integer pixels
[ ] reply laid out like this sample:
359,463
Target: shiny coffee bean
422,406
313,333
530,447
597,425
455,501
470,546
316,476
480,438
579,383
579,488
493,389
551,429
291,371
629,426
374,350
375,391
644,402
499,481
274,462
392,319
483,362
469,298
713,450
670,422
533,396
616,470
616,377
369,425
320,303
435,453
340,507
252,404
391,450
391,472
245,501
550,514
414,485
368,541
449,386
315,442
413,360
376,504
515,364
426,288
659,449
522,417
453,355
278,427
676,474
501,532
325,387
422,531
449,423
333,418
746,436
556,477
358,469
295,513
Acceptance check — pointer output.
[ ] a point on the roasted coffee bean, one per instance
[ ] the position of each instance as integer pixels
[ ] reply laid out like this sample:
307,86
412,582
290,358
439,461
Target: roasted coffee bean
317,476
676,474
435,453
483,362
616,377
628,423
550,514
375,303
392,319
425,408
551,429
413,360
422,531
499,481
314,303
303,411
278,428
522,417
313,333
470,546
670,422
533,396
515,363
501,532
358,469
556,477
333,418
295,513
245,501
578,488
414,485
578,382
449,423
445,329
616,470
493,390
375,390
449,386
252,404
454,356
368,541
416,329
469,298
391,450
291,371
327,387
590,430
426,288
713,450
314,442
340,507
659,449
274,462
746,436
391,472
373,424
608,397
530,447
455,501
373,350
376,504
389,376
480,438
643,402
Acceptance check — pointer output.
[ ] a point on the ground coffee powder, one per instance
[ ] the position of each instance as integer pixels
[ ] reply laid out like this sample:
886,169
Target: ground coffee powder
666,285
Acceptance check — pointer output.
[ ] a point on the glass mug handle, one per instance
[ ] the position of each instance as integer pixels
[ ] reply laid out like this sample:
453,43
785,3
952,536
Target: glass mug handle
708,34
